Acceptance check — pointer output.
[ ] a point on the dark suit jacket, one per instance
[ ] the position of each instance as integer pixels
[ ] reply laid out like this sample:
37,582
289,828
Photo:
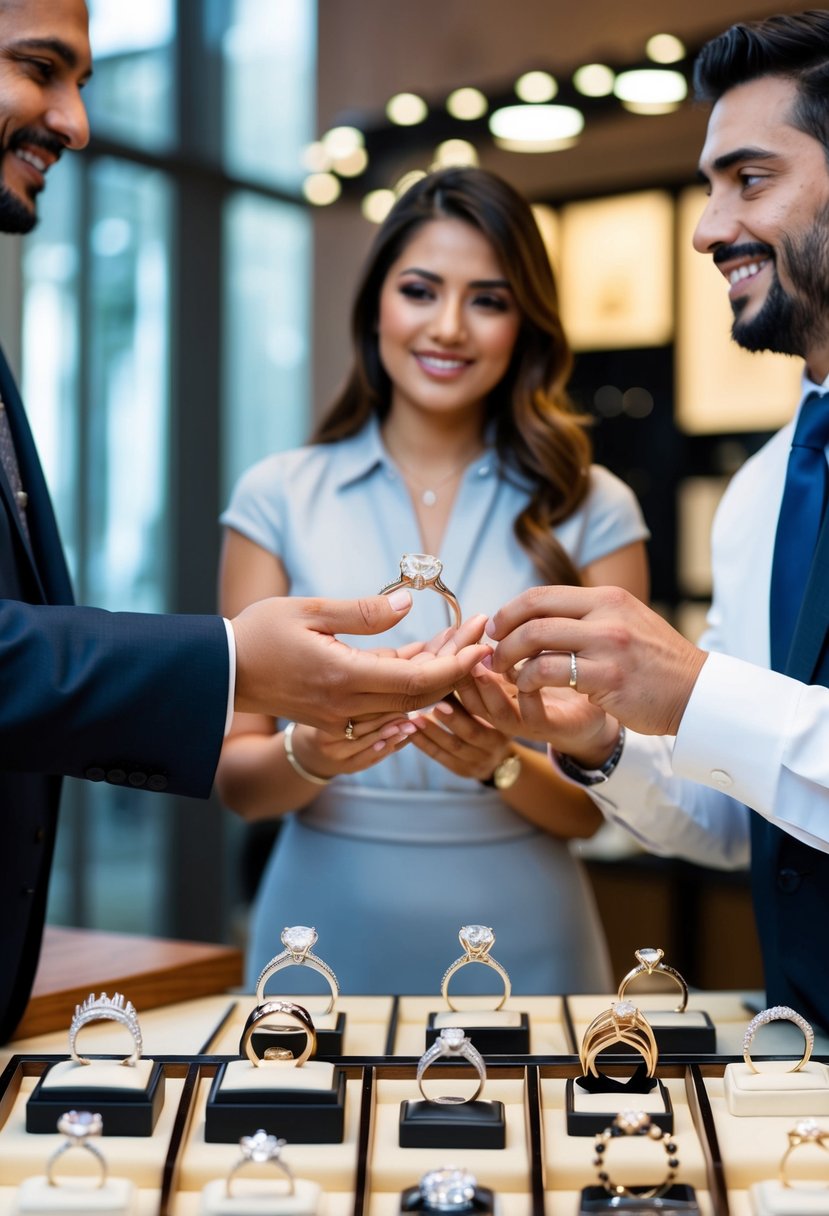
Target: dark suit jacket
128,698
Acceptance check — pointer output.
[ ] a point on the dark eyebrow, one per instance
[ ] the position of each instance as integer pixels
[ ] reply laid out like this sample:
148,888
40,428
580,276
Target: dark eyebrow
729,159
478,284
57,47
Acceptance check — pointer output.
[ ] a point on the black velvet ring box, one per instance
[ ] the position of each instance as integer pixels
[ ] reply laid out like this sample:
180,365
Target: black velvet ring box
304,1116
483,1204
465,1125
329,1041
492,1040
593,1122
680,1200
125,1112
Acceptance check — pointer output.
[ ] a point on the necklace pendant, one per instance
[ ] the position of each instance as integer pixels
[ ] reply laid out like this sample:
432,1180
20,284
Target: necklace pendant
428,498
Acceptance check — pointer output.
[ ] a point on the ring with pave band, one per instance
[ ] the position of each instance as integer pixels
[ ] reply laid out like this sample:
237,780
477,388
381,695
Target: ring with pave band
649,959
621,1023
104,1008
298,940
805,1131
477,941
778,1013
78,1126
260,1149
452,1044
421,571
574,671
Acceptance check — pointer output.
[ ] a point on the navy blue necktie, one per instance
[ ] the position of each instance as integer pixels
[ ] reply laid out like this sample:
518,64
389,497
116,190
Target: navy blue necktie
798,525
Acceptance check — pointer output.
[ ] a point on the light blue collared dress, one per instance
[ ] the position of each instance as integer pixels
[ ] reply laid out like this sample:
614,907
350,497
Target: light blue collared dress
388,864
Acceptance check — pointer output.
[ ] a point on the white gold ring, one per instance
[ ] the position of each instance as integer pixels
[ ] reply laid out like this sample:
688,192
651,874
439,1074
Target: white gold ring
104,1008
261,1149
78,1126
574,671
448,1190
477,941
452,1044
298,940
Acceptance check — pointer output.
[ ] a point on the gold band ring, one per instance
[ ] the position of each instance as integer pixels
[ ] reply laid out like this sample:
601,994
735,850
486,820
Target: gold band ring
634,1123
805,1131
477,941
261,1148
650,962
778,1013
300,1017
574,671
349,729
421,571
298,940
621,1023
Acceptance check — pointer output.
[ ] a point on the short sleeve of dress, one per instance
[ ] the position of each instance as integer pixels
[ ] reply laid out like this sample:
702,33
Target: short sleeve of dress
256,508
609,518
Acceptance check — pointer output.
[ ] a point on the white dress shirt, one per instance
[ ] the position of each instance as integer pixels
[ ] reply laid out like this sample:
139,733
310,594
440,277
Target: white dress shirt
749,737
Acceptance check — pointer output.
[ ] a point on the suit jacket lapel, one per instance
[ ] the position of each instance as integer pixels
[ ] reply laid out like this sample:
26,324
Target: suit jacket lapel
810,635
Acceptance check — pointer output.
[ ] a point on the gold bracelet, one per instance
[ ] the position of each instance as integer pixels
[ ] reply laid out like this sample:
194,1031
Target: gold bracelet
294,763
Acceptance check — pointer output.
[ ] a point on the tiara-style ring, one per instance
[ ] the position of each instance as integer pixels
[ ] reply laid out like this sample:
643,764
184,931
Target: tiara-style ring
649,960
452,1044
477,941
102,1009
421,571
298,940
78,1127
300,1019
261,1149
778,1013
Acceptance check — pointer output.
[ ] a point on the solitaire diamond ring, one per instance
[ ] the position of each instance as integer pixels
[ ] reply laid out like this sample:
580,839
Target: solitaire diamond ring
104,1008
634,1123
78,1127
778,1013
621,1023
421,571
477,941
805,1131
261,1149
649,959
448,1190
452,1044
298,940
299,1019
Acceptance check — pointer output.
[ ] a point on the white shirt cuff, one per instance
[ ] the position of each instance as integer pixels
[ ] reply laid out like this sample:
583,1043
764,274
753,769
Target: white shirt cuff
231,673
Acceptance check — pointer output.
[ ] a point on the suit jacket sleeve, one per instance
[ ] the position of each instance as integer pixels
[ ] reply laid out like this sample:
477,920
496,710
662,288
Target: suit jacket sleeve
131,698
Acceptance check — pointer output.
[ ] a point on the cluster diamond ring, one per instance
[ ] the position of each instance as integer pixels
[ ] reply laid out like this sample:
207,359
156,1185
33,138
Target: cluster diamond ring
649,962
452,1044
261,1149
421,571
298,940
298,1019
805,1131
634,1123
778,1013
78,1127
448,1190
621,1023
105,1008
477,941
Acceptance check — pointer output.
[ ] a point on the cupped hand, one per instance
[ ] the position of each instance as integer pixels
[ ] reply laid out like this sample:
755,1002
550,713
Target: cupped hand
460,741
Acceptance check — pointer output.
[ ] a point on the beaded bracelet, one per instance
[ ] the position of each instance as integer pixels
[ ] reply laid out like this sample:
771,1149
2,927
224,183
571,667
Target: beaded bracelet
634,1123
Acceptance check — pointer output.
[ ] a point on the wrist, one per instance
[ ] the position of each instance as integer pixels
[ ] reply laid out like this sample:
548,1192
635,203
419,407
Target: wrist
294,761
597,753
592,774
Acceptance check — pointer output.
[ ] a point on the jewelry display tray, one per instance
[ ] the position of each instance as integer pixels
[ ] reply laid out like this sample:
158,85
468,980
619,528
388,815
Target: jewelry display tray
540,1172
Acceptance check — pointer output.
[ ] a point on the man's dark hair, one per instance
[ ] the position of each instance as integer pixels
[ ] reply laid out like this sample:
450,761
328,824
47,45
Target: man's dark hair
792,45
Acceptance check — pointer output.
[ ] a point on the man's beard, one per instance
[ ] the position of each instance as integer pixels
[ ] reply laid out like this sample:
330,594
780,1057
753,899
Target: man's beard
15,215
791,324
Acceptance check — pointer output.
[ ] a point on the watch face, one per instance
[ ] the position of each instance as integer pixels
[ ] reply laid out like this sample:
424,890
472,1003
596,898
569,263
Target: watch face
506,774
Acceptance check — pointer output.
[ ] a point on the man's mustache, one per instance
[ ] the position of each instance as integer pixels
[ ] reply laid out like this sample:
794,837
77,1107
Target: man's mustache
729,253
32,138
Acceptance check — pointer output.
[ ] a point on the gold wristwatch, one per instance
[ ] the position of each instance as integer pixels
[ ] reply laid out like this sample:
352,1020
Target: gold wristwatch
506,773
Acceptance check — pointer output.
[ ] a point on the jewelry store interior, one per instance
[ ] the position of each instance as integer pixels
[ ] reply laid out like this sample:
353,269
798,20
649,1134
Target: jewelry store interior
180,312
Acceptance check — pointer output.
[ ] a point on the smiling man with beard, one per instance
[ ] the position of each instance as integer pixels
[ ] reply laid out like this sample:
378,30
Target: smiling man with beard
726,743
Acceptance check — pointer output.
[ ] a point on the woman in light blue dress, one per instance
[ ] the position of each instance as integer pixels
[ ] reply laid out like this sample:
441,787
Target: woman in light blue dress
453,436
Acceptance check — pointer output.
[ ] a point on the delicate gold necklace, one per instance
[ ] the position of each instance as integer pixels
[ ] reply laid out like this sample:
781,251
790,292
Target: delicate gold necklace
429,494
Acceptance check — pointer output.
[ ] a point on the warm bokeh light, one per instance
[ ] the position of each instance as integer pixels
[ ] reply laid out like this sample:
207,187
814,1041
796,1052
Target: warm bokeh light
536,128
455,152
535,87
408,179
342,141
665,48
651,90
467,104
594,80
352,165
321,189
406,109
376,205
315,158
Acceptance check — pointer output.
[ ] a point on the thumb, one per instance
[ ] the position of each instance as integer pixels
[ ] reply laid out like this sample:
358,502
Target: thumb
374,614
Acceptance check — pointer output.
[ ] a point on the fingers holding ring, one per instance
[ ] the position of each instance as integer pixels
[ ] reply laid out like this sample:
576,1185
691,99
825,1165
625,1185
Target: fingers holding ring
574,671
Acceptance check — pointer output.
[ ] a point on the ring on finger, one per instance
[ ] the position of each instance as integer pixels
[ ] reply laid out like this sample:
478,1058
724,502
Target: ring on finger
574,671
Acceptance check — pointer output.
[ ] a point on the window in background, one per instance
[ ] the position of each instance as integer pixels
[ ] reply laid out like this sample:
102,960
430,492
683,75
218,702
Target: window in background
131,97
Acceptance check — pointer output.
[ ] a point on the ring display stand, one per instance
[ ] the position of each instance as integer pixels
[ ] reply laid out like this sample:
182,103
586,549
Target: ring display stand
680,1200
485,1202
495,1032
590,1110
330,1028
256,1198
478,1124
130,1099
304,1104
776,1091
36,1197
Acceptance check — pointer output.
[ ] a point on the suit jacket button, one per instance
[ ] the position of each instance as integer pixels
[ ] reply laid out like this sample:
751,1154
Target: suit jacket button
137,779
157,782
116,776
95,774
788,881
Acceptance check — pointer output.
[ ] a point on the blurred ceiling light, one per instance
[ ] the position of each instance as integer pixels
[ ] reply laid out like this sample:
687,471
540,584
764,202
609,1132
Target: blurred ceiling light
321,189
594,80
315,158
651,90
665,48
467,104
408,179
455,152
406,109
352,165
535,87
377,204
342,141
536,128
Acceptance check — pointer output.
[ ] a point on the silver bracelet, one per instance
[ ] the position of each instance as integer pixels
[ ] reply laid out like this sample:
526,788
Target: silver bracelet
287,737
592,776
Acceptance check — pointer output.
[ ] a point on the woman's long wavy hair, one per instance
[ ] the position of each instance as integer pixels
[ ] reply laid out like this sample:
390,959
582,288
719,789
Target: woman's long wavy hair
537,434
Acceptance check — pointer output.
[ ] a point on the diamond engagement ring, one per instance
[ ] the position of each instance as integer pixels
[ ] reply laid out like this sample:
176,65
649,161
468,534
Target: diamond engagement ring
649,959
477,941
261,1149
452,1044
298,940
805,1131
421,571
448,1190
78,1126
621,1023
300,1019
634,1123
104,1008
778,1013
